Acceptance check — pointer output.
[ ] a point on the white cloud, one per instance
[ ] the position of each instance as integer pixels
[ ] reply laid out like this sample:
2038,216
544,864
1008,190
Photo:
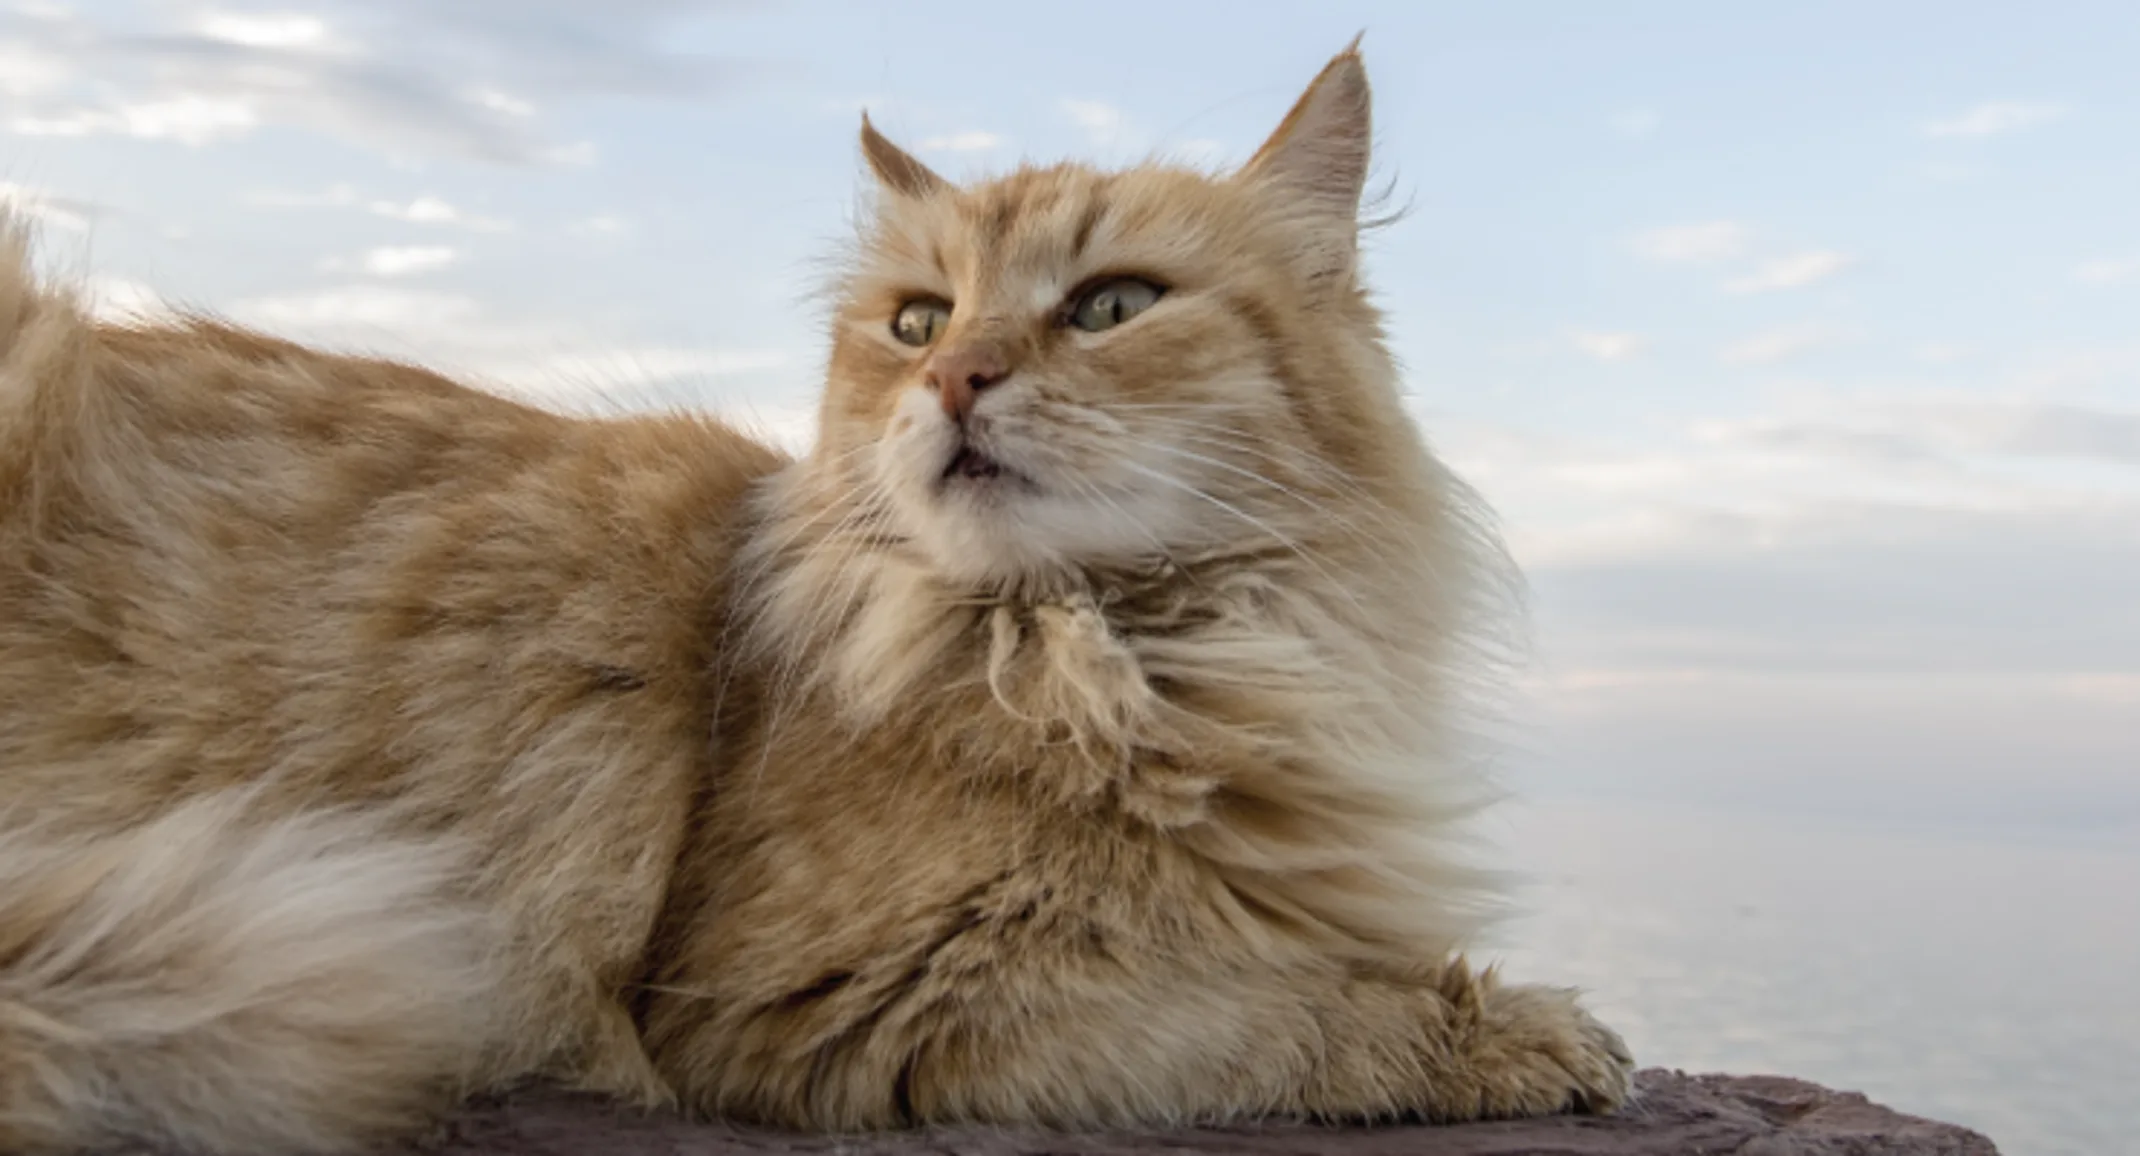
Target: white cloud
504,102
430,210
1994,118
391,75
1104,125
962,142
188,118
333,197
1608,346
1794,271
287,30
1744,481
2107,270
1777,345
26,71
425,209
407,260
122,299
1700,243
356,314
602,225
549,361
45,208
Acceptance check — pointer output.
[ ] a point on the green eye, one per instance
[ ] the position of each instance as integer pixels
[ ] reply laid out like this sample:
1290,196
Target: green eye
1112,302
921,321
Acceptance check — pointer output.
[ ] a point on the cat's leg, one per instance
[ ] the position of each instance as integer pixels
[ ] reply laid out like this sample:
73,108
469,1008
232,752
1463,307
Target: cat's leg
1444,1044
1451,1044
1093,1038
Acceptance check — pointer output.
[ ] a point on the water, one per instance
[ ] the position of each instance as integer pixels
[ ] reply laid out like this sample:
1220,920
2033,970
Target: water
1977,978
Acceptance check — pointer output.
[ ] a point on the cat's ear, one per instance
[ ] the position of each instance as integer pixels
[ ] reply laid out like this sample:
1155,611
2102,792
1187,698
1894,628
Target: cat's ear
1316,160
895,168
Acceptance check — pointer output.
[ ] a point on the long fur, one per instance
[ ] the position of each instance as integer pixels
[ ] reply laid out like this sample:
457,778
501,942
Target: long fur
237,984
366,739
1124,780
398,615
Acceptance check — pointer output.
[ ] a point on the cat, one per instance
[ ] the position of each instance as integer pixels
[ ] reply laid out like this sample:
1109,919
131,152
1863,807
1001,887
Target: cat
1074,736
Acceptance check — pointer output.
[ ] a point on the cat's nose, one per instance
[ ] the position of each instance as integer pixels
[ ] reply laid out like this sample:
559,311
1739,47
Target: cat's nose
961,372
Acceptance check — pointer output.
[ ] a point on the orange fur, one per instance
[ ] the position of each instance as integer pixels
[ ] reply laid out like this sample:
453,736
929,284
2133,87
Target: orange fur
365,733
1119,781
230,563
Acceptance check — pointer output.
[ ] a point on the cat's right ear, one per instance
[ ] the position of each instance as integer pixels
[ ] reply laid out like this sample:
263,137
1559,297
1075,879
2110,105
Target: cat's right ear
897,170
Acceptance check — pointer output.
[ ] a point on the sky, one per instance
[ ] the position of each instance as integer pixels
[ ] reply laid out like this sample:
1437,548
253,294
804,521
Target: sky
1797,345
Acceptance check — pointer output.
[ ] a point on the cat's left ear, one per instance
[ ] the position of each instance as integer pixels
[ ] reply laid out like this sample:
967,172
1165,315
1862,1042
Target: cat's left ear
896,169
1315,164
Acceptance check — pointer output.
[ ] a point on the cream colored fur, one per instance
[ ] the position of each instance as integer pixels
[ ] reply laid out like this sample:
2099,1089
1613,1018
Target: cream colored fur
233,983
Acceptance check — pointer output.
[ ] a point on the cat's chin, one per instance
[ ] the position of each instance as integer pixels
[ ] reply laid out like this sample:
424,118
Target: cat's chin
999,538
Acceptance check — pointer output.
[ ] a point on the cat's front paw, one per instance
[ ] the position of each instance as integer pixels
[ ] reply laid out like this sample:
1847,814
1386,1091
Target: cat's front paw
1538,1052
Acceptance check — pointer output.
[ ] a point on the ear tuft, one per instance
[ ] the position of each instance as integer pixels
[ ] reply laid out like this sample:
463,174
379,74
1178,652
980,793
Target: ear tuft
895,168
1319,152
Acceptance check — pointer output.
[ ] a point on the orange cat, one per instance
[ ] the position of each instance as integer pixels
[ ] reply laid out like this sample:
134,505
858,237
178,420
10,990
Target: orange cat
1073,737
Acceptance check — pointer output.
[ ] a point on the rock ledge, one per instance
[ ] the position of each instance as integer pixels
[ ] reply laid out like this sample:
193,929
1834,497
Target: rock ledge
1676,1115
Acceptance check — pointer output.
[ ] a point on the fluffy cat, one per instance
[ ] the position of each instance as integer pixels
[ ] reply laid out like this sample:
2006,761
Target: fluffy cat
1073,737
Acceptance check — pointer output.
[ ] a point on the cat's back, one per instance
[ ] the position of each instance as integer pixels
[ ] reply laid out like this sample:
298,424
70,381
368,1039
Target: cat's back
225,556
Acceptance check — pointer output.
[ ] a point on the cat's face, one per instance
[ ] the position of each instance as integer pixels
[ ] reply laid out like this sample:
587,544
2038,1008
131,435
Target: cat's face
1071,368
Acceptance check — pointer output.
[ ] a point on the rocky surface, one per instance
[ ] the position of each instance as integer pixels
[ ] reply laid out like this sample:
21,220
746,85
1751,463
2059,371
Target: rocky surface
1676,1115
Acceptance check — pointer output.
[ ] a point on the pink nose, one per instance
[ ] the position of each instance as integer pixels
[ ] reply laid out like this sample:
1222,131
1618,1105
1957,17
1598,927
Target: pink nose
961,372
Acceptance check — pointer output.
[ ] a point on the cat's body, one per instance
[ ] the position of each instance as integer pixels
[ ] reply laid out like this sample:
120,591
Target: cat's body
228,562
1073,737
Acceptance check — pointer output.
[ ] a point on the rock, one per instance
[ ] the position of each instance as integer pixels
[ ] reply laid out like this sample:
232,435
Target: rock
1675,1115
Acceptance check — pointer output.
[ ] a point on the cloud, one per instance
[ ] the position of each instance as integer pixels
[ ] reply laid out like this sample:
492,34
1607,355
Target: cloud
289,30
430,210
1996,118
962,142
122,299
1777,345
2107,270
1794,271
48,209
1700,243
602,225
1104,125
1867,586
355,315
403,77
548,360
425,209
404,260
1608,346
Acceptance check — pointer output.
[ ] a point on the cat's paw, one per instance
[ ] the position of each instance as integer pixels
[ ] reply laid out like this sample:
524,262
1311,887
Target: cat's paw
1538,1052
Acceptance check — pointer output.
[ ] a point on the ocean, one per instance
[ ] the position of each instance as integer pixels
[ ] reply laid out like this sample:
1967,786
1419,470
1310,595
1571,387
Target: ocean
1985,978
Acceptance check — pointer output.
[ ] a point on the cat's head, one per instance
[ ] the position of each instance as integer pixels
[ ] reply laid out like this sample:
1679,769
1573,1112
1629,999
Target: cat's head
1069,368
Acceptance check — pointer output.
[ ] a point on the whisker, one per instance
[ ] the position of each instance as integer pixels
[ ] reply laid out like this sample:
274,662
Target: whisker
1312,505
1166,479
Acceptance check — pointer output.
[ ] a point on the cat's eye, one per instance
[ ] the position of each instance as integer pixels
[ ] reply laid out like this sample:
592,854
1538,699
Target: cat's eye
921,321
1112,302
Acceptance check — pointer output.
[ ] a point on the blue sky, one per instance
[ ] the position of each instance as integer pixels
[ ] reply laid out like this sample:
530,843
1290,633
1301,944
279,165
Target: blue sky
1799,345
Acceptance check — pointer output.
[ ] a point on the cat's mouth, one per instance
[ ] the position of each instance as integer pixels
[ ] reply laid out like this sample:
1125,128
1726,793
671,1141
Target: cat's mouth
972,463
970,466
